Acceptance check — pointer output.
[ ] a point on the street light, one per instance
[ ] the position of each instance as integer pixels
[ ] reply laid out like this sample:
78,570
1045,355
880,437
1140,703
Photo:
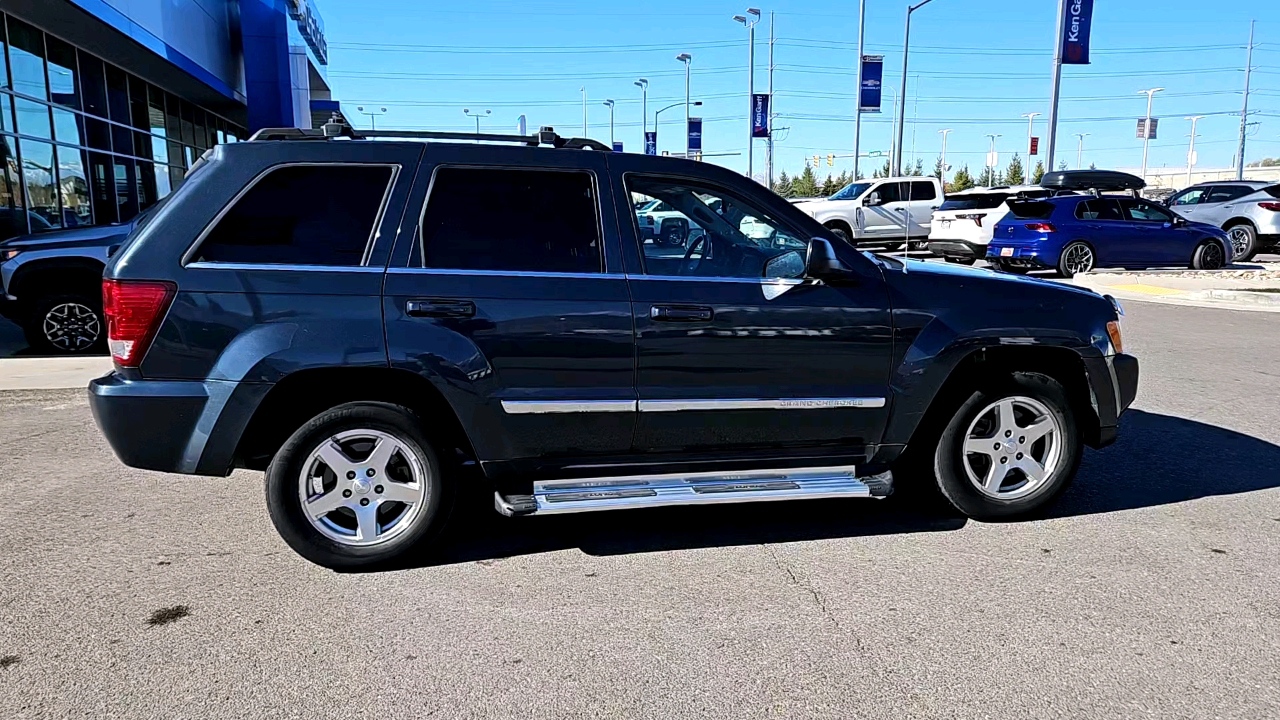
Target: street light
943,179
609,104
1031,119
1146,129
695,103
750,24
1079,147
1191,150
991,158
685,58
583,90
477,115
644,108
902,96
373,123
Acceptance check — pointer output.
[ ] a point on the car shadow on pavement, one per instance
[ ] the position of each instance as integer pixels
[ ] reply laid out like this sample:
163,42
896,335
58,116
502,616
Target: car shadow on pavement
1158,460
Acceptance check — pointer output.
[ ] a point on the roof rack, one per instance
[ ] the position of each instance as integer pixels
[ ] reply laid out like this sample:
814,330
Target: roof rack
337,127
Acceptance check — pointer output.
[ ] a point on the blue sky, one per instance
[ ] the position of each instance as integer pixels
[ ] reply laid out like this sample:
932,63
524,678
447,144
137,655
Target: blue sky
976,66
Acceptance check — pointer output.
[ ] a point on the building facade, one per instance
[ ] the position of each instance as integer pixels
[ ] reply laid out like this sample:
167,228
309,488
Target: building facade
104,104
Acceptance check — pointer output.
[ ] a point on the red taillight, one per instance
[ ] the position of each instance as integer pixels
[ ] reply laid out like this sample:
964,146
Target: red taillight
1268,205
134,309
1040,227
975,217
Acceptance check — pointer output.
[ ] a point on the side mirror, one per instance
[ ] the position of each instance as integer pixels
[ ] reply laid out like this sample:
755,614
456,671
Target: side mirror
822,262
787,265
872,200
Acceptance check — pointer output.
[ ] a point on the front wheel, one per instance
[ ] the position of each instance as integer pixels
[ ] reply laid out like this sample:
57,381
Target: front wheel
1009,450
1076,258
67,324
1209,256
357,486
840,231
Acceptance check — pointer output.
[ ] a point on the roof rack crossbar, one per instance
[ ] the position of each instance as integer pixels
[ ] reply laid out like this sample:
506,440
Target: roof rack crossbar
439,135
339,128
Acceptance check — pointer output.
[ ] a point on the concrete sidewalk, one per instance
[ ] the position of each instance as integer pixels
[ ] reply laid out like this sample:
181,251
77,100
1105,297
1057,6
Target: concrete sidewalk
1254,288
51,373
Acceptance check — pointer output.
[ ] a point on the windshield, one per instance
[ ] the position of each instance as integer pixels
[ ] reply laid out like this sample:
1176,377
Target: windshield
851,191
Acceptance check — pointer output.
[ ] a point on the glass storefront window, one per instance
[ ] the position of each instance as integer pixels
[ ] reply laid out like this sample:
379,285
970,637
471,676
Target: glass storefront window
163,186
73,188
175,177
102,187
26,59
6,112
142,145
126,179
62,73
159,150
138,104
10,190
40,180
33,118
147,195
97,134
155,111
122,139
93,85
67,126
188,123
118,94
175,154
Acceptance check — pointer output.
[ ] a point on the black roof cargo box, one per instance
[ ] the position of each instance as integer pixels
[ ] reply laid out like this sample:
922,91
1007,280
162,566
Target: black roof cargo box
1100,180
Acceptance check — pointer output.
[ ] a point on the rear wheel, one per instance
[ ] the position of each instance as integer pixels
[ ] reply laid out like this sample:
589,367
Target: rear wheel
357,486
1076,258
66,324
1244,242
1208,256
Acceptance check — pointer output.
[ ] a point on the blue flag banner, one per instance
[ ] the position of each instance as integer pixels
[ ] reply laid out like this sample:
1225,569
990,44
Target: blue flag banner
617,146
1076,23
651,142
695,133
872,73
760,115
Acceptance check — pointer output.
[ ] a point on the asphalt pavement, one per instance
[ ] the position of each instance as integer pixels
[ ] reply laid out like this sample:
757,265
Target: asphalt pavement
1150,591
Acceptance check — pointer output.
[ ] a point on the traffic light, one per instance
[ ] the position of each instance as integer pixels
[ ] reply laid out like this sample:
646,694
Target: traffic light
815,162
831,159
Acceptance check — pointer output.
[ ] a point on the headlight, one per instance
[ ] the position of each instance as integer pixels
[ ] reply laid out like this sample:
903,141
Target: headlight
8,254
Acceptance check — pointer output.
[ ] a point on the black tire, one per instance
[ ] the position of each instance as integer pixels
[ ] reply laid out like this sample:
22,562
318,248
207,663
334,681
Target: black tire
949,456
840,230
1069,266
1246,236
1208,256
283,480
87,333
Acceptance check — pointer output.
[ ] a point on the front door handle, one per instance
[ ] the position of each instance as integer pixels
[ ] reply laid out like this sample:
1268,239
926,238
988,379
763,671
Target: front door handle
681,313
439,308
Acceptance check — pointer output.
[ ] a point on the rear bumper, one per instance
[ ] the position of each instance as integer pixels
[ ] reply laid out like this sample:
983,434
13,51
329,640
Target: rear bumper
181,426
957,249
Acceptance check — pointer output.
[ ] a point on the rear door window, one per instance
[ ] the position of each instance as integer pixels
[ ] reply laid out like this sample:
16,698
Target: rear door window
512,220
302,215
1099,209
921,190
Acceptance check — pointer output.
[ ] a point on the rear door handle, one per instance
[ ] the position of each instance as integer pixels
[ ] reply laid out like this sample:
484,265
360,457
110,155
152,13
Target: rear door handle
680,313
439,308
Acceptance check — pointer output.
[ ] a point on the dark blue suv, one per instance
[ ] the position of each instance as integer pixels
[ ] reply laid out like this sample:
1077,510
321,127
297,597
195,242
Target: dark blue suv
376,324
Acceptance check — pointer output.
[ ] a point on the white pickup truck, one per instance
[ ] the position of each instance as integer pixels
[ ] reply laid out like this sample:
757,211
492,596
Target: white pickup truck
882,211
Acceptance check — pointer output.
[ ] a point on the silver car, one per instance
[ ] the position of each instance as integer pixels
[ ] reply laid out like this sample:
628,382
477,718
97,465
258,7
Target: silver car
1249,210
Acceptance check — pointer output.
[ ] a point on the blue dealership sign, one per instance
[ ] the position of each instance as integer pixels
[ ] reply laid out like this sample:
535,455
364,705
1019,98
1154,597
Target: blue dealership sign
872,74
617,146
1077,20
695,134
651,142
759,115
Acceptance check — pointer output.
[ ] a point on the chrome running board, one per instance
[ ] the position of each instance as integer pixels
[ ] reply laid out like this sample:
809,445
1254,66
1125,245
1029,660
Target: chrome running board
703,488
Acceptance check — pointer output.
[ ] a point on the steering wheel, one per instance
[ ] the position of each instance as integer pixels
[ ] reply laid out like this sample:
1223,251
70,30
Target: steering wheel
685,265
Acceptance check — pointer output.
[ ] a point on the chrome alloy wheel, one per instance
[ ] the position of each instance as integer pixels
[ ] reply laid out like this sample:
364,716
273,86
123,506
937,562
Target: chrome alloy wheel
363,487
1239,236
1079,259
1013,447
71,327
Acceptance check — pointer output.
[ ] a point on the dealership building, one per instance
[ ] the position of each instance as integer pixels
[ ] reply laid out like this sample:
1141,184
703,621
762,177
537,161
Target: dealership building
104,104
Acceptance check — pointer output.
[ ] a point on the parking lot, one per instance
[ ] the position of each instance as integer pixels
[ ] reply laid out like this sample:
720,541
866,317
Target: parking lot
1149,591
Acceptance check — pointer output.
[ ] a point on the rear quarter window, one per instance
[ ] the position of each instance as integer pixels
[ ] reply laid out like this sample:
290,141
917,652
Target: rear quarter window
301,215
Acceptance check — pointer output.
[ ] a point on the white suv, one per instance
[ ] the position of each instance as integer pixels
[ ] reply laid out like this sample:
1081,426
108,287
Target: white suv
1249,210
962,226
883,211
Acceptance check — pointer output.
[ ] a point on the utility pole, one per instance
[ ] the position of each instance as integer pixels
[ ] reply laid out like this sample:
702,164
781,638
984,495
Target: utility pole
583,90
643,84
1055,85
943,179
1079,148
857,102
684,58
751,78
1191,148
915,113
768,142
609,104
902,95
1146,132
1031,119
1244,109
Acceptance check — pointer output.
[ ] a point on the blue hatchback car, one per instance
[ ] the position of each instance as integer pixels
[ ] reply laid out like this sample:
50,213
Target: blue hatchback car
1077,233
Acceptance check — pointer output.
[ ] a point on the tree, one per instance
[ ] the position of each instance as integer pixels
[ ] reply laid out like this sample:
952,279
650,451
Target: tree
782,185
1092,166
916,170
1038,173
805,185
1013,174
830,186
1062,165
989,177
883,172
962,180
939,171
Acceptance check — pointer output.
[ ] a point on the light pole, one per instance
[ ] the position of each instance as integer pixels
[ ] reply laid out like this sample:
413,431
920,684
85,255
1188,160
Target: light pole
373,115
902,94
609,104
1079,147
695,103
751,77
684,58
477,115
1191,149
991,159
857,103
583,90
1031,119
943,179
644,109
1146,129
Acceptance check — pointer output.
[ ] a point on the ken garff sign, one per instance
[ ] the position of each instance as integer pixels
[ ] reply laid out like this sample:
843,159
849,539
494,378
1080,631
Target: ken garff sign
1076,22
872,74
310,27
695,133
760,115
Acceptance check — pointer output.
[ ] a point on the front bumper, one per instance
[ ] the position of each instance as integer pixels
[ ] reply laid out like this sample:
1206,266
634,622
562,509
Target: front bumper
1113,384
182,426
